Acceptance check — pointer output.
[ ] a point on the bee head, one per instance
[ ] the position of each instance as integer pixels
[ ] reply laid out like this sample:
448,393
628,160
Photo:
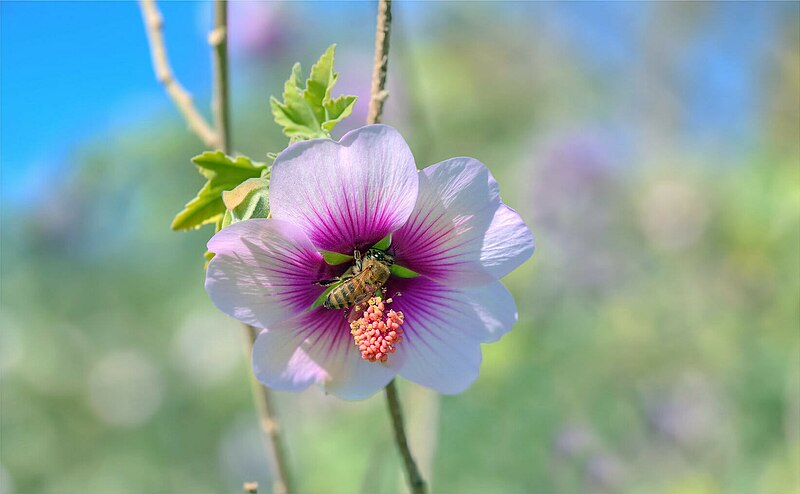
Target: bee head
380,256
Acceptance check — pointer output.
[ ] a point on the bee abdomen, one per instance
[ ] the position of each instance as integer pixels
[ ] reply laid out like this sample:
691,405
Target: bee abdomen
343,296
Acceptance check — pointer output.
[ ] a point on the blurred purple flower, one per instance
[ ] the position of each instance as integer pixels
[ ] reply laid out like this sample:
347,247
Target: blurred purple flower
687,413
604,473
575,200
448,224
257,29
572,440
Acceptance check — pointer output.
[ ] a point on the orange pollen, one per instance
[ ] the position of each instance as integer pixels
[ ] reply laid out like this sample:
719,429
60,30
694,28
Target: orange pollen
377,331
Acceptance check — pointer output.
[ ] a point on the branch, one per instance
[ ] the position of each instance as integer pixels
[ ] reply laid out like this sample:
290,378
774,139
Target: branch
218,39
281,483
219,139
183,100
377,98
381,62
415,480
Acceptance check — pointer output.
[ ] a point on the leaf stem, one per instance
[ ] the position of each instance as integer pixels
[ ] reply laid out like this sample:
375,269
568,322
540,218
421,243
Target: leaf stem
415,480
154,23
380,62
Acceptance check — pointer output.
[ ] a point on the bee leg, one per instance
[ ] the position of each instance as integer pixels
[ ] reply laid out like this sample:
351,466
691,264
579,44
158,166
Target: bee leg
357,257
360,300
340,279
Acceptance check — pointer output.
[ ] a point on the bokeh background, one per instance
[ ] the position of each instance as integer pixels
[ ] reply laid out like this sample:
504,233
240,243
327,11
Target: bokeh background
653,149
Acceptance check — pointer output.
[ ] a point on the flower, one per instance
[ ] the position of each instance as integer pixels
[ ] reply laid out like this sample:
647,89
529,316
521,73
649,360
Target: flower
447,224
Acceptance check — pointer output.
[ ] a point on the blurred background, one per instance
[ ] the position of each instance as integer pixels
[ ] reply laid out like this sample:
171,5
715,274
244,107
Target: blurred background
653,149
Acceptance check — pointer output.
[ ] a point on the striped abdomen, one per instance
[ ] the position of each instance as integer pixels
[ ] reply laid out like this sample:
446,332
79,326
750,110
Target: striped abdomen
372,277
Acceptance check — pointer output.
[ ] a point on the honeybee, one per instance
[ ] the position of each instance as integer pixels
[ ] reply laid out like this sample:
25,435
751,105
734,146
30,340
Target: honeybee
360,282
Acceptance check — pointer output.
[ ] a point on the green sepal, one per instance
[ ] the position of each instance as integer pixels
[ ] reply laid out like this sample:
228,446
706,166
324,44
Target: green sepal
334,258
250,199
321,299
383,243
207,255
226,220
402,272
222,173
310,112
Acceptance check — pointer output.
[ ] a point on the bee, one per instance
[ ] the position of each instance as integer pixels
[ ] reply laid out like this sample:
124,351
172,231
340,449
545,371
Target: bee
361,281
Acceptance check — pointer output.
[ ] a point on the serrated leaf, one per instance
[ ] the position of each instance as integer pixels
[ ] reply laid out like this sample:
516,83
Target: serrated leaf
309,112
334,258
250,199
212,163
205,208
402,272
320,83
337,110
322,296
383,243
295,119
222,173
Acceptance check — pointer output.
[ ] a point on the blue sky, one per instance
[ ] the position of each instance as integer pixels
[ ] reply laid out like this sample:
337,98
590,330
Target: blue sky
75,69
71,70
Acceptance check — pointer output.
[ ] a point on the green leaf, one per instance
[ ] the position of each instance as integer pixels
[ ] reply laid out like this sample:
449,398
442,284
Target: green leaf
310,112
250,199
222,173
383,243
402,272
205,208
337,110
320,83
334,258
322,296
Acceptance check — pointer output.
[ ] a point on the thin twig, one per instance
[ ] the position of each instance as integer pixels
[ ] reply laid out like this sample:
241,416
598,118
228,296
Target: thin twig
218,39
377,98
153,23
219,139
415,480
381,62
281,480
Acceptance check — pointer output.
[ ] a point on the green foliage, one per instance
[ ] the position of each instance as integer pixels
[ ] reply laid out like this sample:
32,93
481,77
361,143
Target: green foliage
334,258
402,272
310,112
250,199
322,296
223,173
383,243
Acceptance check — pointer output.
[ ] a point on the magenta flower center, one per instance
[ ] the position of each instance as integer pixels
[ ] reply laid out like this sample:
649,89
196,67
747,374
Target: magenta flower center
377,331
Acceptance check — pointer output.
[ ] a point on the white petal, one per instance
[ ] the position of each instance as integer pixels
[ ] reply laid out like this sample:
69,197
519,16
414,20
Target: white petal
264,271
317,347
460,233
444,328
348,194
